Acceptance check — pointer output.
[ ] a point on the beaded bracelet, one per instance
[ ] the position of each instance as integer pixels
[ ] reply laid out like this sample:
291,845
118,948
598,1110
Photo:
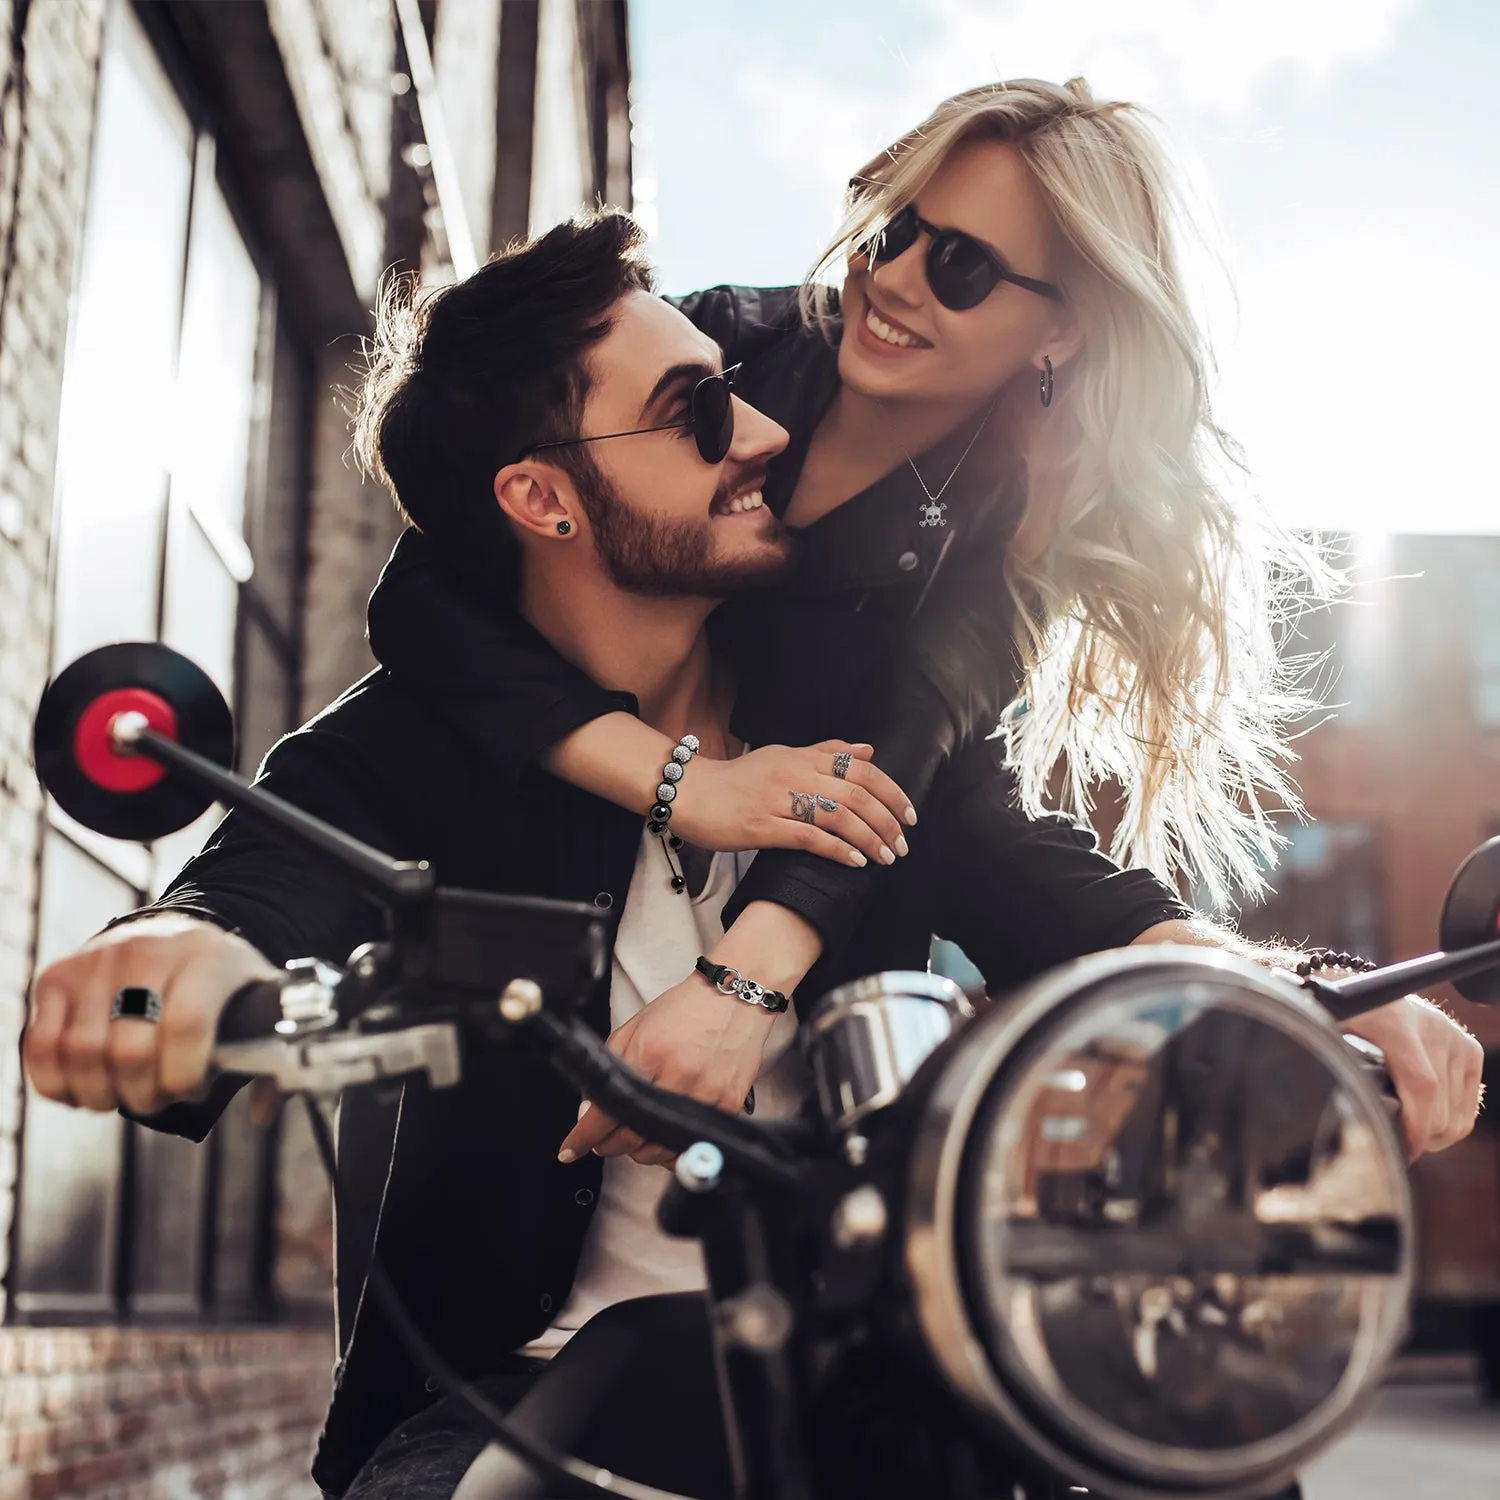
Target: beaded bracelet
1325,958
666,792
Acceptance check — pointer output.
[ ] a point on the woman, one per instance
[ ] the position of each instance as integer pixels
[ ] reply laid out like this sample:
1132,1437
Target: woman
999,471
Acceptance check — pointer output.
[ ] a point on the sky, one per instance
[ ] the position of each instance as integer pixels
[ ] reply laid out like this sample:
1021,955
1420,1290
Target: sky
1344,156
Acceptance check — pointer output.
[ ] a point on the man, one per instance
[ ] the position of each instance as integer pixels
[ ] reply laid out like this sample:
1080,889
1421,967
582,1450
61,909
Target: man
620,553
620,545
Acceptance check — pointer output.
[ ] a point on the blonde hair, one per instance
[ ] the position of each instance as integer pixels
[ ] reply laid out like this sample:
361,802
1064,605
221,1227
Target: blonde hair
1150,604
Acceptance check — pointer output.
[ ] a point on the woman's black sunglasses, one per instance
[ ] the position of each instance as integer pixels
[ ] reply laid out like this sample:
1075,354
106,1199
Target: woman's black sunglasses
710,419
961,270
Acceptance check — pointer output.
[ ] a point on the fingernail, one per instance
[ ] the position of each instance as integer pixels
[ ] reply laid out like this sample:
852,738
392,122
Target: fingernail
886,857
567,1155
901,846
909,817
583,1109
856,858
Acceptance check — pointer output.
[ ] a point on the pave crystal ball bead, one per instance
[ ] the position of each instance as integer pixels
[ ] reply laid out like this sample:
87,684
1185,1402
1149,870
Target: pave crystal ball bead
681,754
689,742
672,771
665,792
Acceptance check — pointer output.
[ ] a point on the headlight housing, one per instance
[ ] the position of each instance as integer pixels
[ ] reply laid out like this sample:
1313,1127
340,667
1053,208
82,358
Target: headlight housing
1158,1224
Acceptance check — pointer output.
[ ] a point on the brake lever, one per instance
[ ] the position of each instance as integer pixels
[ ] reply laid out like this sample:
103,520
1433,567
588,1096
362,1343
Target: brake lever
324,1065
285,1029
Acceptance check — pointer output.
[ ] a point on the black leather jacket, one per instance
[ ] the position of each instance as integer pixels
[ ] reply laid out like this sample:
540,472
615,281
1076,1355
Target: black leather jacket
894,628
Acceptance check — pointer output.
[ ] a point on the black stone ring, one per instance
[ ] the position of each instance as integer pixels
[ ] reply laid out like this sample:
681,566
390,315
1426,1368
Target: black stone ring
136,1001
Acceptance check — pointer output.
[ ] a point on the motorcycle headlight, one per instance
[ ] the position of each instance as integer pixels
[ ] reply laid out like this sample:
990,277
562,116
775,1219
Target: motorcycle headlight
1158,1224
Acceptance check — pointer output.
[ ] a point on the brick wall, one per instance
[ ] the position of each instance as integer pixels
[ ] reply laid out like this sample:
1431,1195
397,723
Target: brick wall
351,529
62,53
134,1414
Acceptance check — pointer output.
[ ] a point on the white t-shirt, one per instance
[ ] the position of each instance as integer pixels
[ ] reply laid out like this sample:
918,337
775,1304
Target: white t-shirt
660,936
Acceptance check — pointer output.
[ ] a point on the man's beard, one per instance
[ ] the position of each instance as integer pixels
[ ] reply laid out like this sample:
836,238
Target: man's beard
645,554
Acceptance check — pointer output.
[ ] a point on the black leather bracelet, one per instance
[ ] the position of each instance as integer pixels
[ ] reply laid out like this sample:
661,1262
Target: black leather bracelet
719,975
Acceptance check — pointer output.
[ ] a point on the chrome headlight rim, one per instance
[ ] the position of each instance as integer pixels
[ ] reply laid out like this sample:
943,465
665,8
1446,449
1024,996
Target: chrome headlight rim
935,1241
867,1039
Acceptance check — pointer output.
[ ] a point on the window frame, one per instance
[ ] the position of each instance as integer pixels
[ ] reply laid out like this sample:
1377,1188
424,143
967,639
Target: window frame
132,864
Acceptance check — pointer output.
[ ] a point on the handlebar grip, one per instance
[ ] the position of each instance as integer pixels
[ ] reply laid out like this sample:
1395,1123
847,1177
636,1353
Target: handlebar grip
250,1014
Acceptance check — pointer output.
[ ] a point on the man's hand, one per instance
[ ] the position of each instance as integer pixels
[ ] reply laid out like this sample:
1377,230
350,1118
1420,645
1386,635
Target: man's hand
695,1041
1433,1061
1435,1065
691,1040
76,1055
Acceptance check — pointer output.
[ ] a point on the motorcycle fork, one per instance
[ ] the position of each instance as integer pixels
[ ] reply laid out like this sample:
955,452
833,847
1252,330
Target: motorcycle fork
753,1338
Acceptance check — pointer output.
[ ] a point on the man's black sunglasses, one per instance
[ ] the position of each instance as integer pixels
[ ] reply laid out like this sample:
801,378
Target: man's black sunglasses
710,419
961,270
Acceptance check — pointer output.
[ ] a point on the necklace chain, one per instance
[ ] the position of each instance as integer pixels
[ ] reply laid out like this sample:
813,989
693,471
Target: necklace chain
933,499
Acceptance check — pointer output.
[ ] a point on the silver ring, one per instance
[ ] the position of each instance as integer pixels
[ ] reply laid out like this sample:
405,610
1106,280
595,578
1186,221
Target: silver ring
841,764
136,1002
805,806
826,804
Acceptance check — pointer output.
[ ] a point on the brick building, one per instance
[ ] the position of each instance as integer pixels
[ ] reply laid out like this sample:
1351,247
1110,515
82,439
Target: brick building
196,204
1403,781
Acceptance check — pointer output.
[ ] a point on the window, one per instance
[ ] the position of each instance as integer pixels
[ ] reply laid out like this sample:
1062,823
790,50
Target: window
1329,890
182,407
1354,637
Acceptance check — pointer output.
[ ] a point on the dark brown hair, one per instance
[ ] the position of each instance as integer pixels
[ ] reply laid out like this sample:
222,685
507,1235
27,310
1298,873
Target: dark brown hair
460,380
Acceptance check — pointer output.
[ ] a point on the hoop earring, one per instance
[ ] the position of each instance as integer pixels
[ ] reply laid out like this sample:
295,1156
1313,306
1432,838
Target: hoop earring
564,527
1046,380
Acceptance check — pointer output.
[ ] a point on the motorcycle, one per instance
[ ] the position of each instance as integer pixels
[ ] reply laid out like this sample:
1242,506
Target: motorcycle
1140,1229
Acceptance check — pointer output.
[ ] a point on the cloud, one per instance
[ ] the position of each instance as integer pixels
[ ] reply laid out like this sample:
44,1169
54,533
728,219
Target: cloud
1212,54
1210,57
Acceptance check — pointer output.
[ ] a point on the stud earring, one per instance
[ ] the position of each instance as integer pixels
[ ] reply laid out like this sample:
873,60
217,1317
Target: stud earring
564,527
1046,380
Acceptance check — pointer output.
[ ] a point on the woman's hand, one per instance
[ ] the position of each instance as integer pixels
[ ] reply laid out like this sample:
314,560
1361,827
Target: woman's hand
746,802
1435,1065
749,803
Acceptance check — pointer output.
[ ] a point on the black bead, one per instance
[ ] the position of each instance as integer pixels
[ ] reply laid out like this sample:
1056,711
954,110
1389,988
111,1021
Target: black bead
674,841
679,884
654,827
661,812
